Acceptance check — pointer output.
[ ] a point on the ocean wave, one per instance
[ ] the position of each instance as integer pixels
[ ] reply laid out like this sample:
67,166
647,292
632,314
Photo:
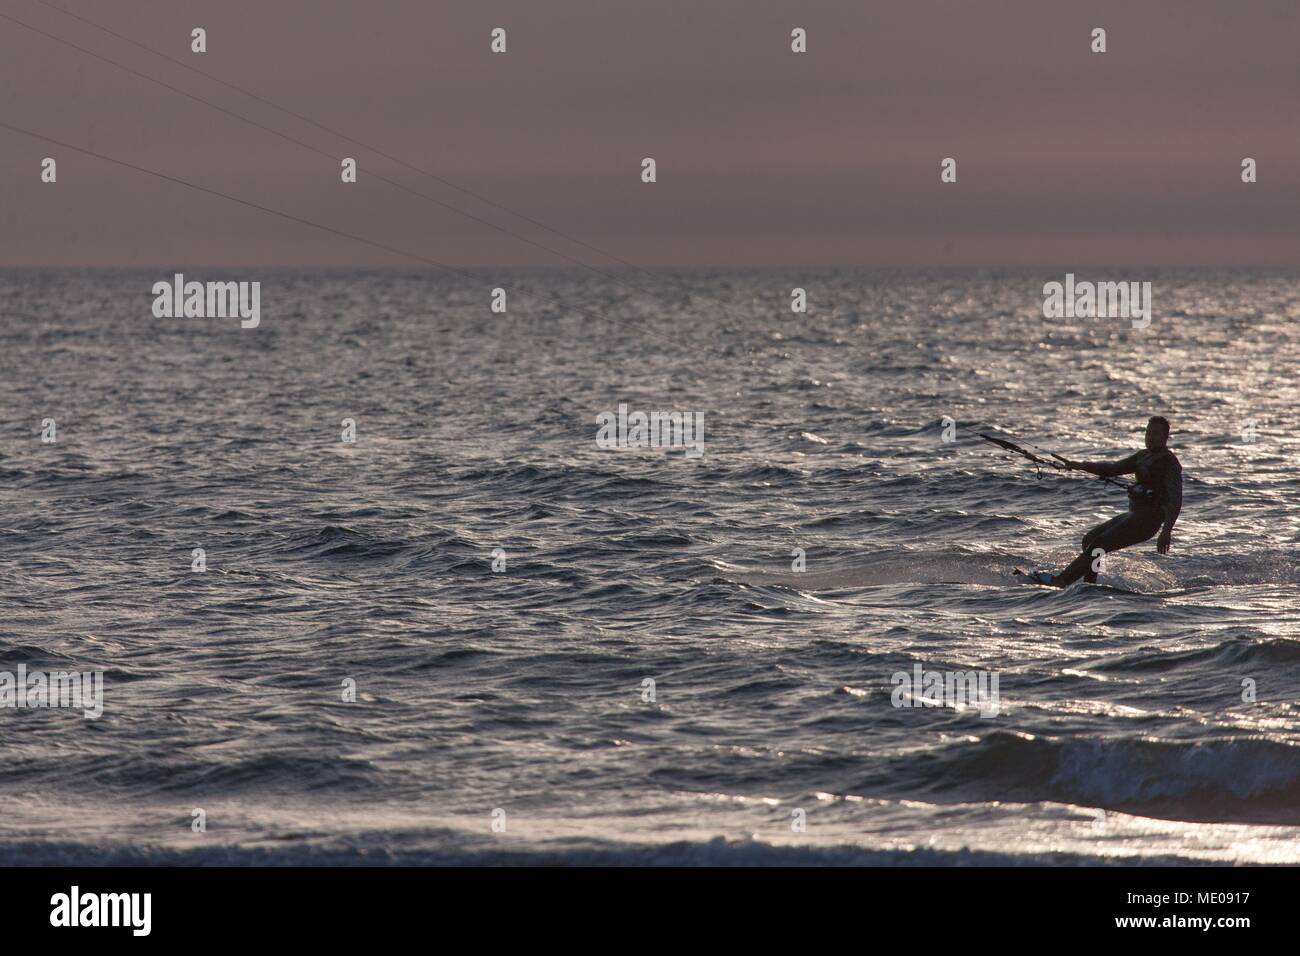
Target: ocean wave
1244,779
718,852
1237,653
340,542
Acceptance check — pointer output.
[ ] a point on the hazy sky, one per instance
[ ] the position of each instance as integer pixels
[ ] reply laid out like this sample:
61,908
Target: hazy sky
765,157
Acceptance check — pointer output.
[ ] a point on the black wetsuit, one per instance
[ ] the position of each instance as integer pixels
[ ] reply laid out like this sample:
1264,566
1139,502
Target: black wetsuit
1154,501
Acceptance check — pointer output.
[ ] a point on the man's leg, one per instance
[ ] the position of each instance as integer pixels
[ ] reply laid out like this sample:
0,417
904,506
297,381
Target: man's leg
1119,532
1081,567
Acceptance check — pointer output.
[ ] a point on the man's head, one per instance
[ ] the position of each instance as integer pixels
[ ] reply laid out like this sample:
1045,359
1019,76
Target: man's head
1157,433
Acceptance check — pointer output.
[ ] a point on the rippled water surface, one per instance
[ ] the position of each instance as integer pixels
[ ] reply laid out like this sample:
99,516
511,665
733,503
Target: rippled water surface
1122,733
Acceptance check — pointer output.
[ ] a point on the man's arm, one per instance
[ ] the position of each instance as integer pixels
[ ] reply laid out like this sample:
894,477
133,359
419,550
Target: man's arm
1109,469
1173,503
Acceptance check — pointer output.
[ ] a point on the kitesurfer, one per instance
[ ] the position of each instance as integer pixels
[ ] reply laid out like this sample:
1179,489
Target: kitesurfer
1154,503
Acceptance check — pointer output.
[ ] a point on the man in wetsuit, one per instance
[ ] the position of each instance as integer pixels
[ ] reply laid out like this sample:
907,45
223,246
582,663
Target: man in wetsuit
1154,503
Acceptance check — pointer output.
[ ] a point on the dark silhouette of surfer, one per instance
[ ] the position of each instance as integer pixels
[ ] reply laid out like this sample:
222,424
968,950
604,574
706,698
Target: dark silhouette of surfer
1154,503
